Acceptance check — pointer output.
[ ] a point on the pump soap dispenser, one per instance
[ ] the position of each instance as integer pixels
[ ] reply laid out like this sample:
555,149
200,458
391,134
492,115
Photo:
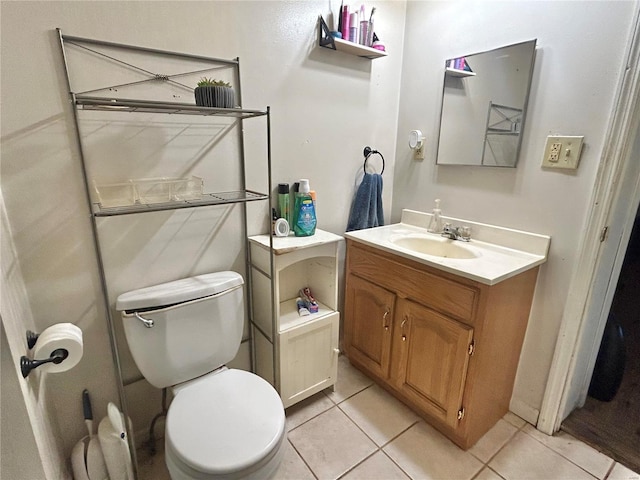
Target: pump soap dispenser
435,225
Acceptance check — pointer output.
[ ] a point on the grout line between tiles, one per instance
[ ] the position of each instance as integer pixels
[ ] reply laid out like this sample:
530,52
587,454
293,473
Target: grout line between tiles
611,467
501,448
350,396
302,458
314,416
358,464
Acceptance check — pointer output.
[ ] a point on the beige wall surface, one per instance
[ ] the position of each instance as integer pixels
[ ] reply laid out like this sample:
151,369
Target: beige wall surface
325,107
577,71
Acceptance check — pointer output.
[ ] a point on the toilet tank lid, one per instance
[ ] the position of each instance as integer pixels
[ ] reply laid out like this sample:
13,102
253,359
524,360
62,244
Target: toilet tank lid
178,291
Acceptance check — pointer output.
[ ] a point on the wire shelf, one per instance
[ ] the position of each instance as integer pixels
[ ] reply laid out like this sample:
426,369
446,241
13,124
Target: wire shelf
221,198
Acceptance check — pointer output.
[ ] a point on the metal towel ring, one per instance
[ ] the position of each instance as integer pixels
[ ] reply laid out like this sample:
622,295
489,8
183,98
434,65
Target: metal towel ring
367,153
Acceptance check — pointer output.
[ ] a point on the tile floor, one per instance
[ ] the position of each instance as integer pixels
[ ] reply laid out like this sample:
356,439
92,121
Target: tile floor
359,431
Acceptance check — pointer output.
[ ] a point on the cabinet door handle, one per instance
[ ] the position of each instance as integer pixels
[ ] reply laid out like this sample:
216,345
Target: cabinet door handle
384,319
404,320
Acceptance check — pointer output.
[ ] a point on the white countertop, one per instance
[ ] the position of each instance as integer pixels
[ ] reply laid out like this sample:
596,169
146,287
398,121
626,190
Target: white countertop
508,253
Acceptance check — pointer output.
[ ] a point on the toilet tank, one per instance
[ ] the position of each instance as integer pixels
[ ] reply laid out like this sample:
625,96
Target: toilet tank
197,326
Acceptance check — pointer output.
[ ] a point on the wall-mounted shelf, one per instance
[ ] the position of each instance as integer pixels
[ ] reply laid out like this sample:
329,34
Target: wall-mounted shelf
326,40
454,72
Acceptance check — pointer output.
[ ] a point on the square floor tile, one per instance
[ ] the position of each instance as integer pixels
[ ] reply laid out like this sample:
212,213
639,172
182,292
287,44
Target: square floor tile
331,444
594,462
493,440
377,467
525,458
350,381
307,409
292,466
425,453
379,414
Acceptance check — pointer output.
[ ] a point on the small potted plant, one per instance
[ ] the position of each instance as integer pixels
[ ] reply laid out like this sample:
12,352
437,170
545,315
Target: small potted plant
214,93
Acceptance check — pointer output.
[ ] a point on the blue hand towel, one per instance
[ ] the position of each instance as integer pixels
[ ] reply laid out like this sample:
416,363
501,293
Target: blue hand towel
366,211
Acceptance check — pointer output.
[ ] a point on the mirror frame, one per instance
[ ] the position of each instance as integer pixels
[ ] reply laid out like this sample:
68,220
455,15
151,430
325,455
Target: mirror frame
501,111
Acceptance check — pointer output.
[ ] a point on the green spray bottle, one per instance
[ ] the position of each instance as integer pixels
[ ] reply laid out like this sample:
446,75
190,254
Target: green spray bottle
304,212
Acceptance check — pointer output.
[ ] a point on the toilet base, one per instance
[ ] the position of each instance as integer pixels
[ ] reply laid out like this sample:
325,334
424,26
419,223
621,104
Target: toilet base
264,470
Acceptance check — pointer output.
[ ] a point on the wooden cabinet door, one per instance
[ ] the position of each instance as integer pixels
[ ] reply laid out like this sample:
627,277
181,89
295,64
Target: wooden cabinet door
368,325
430,359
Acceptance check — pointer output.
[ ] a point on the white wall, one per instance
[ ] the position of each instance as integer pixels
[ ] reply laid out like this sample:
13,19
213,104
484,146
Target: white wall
30,443
578,65
326,106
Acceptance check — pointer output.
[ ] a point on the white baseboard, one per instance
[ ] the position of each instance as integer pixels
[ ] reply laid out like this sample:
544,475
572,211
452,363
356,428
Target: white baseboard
524,411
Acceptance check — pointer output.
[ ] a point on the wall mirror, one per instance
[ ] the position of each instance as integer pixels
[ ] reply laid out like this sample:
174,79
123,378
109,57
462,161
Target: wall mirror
484,102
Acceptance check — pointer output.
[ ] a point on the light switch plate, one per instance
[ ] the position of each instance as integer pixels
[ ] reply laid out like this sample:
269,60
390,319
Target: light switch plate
562,152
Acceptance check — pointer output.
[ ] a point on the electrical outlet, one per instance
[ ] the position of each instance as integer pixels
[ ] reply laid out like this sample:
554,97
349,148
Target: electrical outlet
562,152
419,152
554,153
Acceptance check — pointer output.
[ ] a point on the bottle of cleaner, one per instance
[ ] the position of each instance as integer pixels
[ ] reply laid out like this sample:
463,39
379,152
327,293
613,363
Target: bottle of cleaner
435,225
304,212
283,201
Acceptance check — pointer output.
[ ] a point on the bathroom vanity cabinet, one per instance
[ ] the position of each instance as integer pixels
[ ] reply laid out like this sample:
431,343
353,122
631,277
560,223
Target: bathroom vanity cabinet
445,345
297,354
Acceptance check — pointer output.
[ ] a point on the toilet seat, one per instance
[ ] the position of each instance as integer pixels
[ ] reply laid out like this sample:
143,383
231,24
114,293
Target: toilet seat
224,423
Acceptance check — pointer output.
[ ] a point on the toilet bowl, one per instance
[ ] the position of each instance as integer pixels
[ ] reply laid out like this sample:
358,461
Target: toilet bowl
222,423
228,424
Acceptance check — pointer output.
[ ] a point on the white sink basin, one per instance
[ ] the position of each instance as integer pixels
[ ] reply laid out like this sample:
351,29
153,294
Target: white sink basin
434,245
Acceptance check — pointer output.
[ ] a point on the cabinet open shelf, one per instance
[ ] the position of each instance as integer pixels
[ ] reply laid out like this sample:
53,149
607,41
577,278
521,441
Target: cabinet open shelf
289,317
207,199
130,105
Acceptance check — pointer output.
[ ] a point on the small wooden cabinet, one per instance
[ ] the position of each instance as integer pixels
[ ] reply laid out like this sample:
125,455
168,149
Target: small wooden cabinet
445,345
297,355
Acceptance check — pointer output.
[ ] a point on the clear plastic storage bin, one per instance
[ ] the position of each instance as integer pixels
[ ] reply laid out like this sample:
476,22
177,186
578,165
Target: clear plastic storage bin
162,190
115,194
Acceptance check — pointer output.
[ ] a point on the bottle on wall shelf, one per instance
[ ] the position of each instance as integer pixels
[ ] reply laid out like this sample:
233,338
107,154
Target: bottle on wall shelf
435,225
353,27
304,212
363,34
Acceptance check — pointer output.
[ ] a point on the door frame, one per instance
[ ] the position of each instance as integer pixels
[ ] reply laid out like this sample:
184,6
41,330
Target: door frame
599,262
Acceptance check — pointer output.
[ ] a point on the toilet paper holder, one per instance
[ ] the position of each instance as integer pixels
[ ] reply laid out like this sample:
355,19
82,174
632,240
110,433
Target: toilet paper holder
26,364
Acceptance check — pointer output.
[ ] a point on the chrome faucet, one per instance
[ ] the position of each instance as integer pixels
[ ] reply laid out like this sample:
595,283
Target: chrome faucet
456,233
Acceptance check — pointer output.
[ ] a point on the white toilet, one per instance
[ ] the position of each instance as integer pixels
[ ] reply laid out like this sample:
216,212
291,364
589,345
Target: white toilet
222,423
